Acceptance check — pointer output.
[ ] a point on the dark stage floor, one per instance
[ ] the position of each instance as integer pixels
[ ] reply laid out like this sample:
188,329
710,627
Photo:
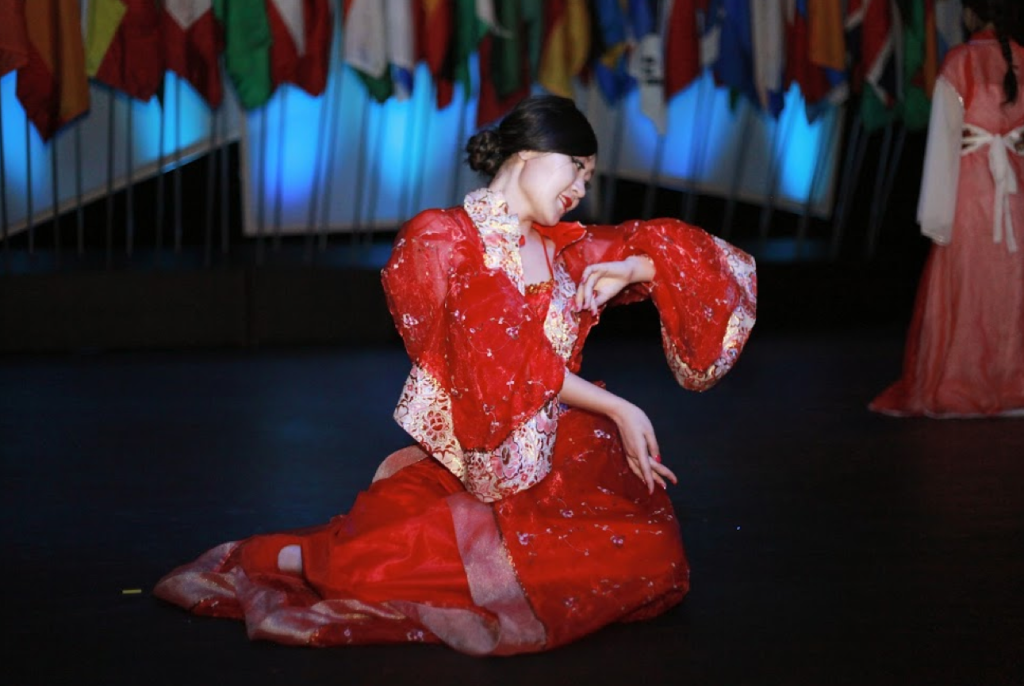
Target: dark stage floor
829,545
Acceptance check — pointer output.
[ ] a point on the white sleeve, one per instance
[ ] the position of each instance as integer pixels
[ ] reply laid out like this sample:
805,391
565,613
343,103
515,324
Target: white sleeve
937,202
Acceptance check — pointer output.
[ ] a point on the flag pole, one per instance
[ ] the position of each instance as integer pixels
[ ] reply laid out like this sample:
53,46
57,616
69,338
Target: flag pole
734,185
417,197
111,120
768,209
176,174
79,207
358,214
410,136
55,197
655,177
4,219
885,189
459,145
698,151
325,206
282,121
326,134
855,149
374,180
876,192
29,225
318,161
160,161
129,161
593,196
261,156
812,190
609,179
225,194
211,186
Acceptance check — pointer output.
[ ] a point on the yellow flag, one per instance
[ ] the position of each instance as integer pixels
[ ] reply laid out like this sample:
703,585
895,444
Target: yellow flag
567,47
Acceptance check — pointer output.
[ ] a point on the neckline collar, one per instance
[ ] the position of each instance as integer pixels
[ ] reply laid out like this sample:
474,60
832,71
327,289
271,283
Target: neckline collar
983,35
489,208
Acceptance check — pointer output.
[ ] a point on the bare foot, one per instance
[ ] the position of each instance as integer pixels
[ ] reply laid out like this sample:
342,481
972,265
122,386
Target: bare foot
290,559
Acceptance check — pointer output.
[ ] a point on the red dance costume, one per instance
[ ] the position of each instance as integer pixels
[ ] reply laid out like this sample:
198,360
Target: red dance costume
964,354
514,525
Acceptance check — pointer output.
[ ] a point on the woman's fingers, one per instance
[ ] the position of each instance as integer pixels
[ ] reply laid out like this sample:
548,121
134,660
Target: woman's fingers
664,472
654,474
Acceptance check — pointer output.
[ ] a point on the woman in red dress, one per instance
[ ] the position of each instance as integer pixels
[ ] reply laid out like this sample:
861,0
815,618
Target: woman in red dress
532,509
964,353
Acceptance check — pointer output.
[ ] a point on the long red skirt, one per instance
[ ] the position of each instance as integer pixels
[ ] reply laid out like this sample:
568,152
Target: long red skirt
420,559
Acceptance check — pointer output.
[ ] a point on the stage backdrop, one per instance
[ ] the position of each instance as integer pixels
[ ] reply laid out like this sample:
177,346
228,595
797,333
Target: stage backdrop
343,162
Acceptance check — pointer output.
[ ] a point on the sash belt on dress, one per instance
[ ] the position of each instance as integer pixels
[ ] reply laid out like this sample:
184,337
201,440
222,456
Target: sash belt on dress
999,148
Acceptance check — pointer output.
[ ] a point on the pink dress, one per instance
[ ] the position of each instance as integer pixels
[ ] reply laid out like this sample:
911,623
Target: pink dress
964,354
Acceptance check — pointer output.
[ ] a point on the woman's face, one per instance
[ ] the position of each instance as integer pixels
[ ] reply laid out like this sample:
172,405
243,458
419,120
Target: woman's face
551,184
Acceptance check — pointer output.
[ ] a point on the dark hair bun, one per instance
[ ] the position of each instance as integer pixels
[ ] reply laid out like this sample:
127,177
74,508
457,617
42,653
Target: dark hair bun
484,153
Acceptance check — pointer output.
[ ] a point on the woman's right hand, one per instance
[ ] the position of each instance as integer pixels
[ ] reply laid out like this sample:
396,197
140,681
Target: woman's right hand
641,446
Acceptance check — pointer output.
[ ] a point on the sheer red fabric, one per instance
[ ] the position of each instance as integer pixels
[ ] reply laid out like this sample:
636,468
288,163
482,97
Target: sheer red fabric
449,543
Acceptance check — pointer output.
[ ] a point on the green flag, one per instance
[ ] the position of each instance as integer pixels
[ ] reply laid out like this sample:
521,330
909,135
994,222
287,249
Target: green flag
469,31
380,88
506,55
246,49
533,23
914,107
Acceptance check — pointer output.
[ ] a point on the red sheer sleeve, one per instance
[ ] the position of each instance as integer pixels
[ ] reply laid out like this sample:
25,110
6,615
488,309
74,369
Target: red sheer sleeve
705,291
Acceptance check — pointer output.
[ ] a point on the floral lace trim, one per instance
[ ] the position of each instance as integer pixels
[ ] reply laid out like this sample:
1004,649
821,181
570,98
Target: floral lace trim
561,326
521,461
424,410
499,232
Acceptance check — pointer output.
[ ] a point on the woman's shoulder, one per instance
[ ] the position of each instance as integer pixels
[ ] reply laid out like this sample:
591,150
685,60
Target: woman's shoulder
981,45
437,223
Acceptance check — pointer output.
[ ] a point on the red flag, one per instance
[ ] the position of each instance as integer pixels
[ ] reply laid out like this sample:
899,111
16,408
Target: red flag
682,47
930,68
52,85
491,106
300,50
134,62
193,41
13,37
799,62
435,24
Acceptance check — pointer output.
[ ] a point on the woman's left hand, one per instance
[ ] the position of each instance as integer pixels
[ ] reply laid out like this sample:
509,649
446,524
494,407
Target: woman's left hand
604,280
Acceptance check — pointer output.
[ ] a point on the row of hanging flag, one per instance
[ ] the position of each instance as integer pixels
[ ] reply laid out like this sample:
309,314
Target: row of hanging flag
888,51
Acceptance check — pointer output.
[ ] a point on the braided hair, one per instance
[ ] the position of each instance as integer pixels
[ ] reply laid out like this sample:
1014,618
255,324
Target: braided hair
1002,15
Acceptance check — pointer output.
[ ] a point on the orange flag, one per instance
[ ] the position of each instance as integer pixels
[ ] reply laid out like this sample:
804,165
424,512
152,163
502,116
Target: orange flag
52,85
826,34
13,38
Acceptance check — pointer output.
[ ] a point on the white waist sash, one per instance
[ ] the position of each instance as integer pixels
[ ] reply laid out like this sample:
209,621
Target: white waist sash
999,149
